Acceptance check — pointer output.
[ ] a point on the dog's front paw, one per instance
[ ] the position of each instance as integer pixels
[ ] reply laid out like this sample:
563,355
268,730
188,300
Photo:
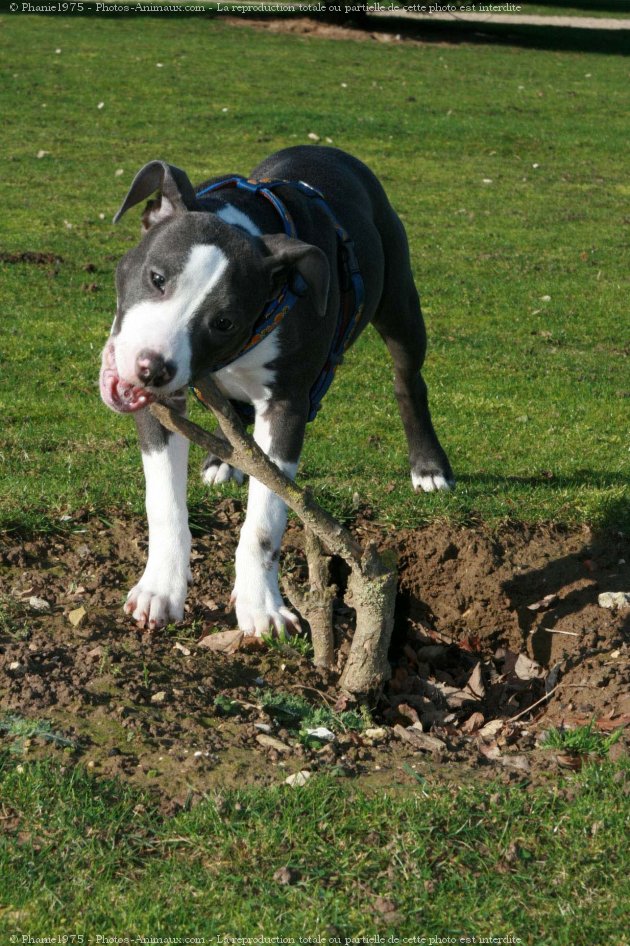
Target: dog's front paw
215,471
262,611
154,602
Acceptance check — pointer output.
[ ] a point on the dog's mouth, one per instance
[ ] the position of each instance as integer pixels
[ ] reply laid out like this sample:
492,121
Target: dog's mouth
119,395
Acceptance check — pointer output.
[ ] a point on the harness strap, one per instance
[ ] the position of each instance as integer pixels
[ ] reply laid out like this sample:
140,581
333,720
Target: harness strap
351,284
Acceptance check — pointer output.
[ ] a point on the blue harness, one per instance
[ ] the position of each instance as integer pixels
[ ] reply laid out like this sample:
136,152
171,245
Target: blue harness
351,285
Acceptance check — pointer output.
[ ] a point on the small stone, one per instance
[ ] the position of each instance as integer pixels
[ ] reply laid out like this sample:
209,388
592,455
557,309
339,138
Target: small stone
375,735
39,604
321,733
159,697
180,647
298,779
286,876
615,600
270,742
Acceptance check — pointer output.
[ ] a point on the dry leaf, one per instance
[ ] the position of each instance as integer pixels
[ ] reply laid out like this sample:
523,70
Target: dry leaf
75,617
408,712
568,761
489,750
526,669
475,683
491,729
225,642
419,739
473,722
342,704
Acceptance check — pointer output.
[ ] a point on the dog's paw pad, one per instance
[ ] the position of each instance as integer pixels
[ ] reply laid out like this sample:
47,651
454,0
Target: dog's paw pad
214,472
431,482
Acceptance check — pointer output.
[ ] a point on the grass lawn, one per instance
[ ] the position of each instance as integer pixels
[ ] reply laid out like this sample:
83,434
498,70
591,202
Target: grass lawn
543,866
507,168
504,165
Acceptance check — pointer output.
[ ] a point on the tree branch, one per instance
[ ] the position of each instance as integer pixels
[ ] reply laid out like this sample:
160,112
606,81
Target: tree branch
372,583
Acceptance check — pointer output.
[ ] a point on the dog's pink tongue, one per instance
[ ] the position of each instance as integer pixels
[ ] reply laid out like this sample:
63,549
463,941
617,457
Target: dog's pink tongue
119,395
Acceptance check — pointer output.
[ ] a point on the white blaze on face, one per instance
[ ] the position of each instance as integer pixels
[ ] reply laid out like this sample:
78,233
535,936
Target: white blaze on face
161,325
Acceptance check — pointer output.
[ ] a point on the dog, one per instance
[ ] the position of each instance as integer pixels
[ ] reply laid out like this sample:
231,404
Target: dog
262,282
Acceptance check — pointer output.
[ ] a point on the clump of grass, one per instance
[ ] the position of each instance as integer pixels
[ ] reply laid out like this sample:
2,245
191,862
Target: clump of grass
583,740
13,619
296,711
286,643
226,706
20,730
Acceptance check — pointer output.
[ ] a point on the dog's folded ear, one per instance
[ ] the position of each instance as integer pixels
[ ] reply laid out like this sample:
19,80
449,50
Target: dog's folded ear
288,256
176,193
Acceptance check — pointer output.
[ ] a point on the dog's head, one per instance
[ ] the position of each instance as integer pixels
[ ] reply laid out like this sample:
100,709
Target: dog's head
191,291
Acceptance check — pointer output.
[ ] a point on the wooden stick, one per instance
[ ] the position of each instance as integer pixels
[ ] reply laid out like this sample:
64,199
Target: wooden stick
243,452
372,582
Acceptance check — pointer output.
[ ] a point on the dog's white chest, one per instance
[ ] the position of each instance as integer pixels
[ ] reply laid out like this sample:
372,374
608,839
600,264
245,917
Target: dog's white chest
248,378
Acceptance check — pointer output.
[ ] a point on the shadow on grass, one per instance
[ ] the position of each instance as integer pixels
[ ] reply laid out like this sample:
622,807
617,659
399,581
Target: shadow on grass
456,30
528,36
613,7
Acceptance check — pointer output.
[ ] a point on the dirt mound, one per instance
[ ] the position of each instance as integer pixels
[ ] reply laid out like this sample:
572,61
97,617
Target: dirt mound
488,624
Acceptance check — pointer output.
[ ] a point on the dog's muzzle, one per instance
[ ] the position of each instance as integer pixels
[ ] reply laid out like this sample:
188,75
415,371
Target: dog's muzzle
119,395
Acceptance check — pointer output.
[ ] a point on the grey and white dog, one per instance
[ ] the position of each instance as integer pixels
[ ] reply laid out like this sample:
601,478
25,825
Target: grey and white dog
189,296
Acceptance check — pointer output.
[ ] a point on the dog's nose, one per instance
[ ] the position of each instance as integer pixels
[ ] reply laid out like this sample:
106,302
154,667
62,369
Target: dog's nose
153,369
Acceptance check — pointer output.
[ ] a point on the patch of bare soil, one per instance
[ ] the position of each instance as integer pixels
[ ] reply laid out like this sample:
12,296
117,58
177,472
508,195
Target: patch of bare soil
499,636
312,26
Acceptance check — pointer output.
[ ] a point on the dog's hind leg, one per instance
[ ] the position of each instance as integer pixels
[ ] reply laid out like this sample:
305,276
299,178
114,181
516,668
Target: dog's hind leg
399,322
215,471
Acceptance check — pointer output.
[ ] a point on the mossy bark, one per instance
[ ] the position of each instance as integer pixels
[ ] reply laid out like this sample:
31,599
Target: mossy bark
372,593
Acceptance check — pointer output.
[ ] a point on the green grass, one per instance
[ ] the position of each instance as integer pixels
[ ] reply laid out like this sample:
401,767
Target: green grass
529,393
582,740
21,731
545,865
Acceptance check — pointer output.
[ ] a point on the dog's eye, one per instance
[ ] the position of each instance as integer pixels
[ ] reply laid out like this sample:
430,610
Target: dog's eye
222,324
158,281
